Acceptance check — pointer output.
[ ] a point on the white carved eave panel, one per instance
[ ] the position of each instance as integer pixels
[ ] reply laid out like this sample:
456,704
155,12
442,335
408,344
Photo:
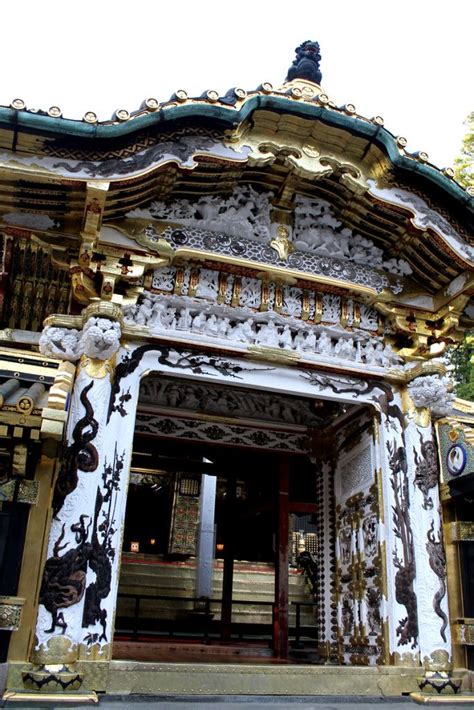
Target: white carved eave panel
424,217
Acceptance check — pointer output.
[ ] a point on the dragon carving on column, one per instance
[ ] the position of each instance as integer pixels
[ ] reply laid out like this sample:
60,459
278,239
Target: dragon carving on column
407,629
426,474
437,558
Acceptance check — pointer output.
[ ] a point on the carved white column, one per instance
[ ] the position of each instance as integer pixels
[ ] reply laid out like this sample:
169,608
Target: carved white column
399,606
432,399
80,580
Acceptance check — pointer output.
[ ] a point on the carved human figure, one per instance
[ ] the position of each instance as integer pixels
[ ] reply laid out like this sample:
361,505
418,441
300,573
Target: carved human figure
184,320
158,312
269,335
145,310
299,340
223,326
199,322
169,318
212,326
248,330
237,333
286,338
311,341
173,395
368,352
325,344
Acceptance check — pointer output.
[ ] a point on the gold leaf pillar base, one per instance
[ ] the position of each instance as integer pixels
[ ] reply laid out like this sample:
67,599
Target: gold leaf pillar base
440,683
52,678
25,697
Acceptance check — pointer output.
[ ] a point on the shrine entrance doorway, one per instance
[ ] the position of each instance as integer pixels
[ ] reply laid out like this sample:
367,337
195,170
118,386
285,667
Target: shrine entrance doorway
244,573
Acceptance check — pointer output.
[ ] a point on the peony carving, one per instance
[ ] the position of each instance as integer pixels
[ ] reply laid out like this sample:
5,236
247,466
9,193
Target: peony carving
434,392
100,338
60,343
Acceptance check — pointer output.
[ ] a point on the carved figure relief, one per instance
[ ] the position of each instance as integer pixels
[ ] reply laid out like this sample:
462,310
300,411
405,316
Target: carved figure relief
245,213
188,316
318,230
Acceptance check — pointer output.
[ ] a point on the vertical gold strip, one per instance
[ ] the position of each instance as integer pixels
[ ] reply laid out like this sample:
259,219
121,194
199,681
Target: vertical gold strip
34,555
178,282
318,308
344,311
222,287
236,291
193,282
265,296
278,299
356,314
305,306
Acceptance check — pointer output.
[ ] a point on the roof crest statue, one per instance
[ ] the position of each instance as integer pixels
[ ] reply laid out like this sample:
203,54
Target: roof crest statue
306,63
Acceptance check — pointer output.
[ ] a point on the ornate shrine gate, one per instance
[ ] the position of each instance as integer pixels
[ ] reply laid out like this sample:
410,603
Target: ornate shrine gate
276,244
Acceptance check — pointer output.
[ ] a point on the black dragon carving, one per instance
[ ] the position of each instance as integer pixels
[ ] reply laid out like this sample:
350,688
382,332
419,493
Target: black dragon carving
101,551
437,558
306,63
407,629
81,454
64,577
426,473
351,385
185,360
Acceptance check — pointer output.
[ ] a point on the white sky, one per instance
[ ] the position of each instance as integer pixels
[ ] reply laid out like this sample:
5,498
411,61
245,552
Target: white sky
410,61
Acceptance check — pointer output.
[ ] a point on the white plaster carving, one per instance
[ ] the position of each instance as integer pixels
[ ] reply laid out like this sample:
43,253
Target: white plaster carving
424,217
30,220
60,343
250,292
368,317
331,308
208,284
434,392
163,279
246,213
100,338
317,230
292,301
190,317
356,473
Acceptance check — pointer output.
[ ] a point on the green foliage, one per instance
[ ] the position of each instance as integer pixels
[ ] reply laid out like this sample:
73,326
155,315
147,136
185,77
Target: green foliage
460,358
464,164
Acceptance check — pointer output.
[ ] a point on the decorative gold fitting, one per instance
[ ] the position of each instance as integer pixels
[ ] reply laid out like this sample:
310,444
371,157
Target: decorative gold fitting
152,104
282,244
102,309
449,172
181,95
349,108
18,104
55,112
122,114
378,120
90,117
402,142
212,96
425,368
267,87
